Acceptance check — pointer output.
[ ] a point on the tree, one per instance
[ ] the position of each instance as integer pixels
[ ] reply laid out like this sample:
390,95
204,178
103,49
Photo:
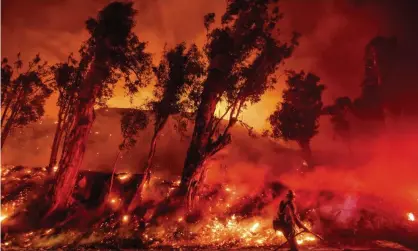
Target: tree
338,112
179,72
296,117
23,94
379,93
68,78
132,122
115,52
242,54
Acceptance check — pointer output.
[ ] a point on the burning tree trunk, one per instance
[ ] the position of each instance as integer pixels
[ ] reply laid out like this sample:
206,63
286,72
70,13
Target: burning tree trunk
148,164
179,74
153,147
59,135
61,132
203,146
55,144
197,152
236,76
110,48
73,156
114,170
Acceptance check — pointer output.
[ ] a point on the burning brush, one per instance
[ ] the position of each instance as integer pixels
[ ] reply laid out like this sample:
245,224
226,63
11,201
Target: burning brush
228,217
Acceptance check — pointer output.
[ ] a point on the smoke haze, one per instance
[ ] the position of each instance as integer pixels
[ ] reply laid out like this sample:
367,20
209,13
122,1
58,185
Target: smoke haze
334,34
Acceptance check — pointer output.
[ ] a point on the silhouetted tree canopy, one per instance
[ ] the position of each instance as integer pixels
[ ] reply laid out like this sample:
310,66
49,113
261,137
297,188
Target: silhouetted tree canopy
23,93
338,112
132,122
115,52
179,72
296,117
242,53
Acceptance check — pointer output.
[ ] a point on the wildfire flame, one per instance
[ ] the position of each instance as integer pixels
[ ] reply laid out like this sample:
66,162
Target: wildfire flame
124,176
411,217
220,225
125,218
255,226
2,217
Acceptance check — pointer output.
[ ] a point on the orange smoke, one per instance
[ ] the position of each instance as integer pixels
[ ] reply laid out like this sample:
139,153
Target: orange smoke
332,45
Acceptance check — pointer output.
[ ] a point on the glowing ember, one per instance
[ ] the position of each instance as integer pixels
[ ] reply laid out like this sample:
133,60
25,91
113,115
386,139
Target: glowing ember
2,217
113,201
55,168
255,226
411,217
125,218
124,176
48,231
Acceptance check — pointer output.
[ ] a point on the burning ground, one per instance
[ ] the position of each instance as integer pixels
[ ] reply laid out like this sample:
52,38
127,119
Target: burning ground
367,199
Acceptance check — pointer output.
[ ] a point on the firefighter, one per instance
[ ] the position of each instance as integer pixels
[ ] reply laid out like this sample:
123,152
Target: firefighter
287,220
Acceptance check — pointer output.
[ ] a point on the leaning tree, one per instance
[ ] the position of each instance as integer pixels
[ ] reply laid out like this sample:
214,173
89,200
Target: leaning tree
23,93
242,54
115,52
132,122
297,116
68,78
179,75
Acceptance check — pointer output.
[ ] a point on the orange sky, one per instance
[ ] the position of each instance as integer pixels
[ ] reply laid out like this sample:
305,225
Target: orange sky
334,36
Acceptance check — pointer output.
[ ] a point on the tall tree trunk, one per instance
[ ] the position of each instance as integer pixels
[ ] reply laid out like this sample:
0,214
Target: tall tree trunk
9,125
60,133
15,107
196,154
114,170
72,158
9,102
5,132
56,142
215,85
136,200
67,126
5,110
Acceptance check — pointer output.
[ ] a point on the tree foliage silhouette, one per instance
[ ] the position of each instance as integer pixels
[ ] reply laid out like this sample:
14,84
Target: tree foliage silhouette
296,117
132,122
23,93
179,76
68,79
114,52
338,112
242,54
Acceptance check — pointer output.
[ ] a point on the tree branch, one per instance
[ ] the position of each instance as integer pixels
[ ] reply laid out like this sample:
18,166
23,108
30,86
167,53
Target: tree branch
219,120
